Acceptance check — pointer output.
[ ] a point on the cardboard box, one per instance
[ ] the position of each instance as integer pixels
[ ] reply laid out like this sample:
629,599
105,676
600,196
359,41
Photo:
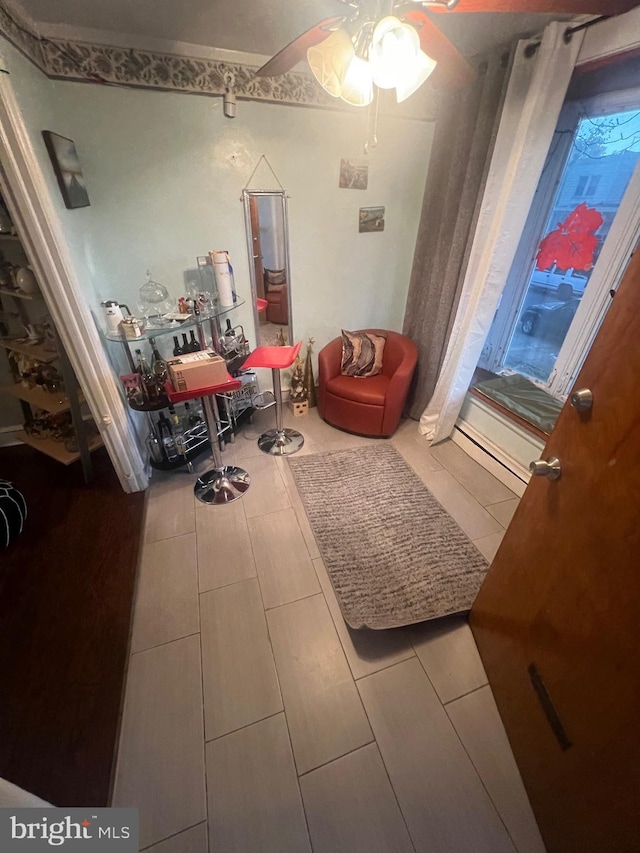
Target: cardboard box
195,370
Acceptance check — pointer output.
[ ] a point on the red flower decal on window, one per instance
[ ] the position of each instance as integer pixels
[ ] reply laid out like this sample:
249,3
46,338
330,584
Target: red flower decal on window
573,243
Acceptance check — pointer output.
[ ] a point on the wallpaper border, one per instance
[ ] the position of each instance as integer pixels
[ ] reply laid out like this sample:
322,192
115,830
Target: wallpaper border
67,59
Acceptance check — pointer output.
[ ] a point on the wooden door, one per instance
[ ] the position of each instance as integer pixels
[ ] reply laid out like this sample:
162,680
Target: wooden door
557,620
257,248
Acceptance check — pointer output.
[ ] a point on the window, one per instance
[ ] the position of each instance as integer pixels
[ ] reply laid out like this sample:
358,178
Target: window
581,185
595,180
545,320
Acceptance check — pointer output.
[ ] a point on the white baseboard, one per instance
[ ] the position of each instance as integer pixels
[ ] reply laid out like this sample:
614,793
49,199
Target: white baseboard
491,457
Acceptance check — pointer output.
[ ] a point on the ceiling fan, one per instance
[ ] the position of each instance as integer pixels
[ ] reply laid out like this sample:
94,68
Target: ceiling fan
398,44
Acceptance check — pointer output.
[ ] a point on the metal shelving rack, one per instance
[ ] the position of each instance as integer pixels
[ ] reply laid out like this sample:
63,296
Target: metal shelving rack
68,401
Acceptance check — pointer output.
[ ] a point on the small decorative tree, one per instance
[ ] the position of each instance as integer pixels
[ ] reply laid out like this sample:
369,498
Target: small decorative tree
298,392
309,382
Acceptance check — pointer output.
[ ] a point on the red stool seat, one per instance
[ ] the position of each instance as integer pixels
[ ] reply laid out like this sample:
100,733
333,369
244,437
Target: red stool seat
278,441
274,358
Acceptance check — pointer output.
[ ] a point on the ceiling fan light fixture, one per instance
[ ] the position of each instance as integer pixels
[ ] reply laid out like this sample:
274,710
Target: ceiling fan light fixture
394,50
422,68
330,60
357,85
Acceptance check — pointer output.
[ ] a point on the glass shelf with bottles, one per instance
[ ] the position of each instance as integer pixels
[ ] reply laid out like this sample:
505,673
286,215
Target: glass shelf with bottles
173,326
173,441
177,439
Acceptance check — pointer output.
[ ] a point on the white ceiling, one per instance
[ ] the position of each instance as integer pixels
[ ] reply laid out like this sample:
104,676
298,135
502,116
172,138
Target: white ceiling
250,26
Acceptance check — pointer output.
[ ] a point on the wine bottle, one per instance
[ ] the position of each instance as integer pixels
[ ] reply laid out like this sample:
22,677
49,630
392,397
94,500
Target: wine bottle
178,432
177,349
166,437
158,365
156,451
230,340
185,343
193,343
150,387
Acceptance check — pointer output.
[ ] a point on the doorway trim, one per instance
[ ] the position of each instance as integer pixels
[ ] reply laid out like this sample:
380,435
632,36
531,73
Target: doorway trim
32,211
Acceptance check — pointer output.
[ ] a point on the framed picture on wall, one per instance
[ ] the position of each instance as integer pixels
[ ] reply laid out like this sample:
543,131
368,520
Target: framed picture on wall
371,219
66,165
354,174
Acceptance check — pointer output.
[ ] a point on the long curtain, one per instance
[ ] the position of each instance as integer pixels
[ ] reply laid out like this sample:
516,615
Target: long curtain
534,98
465,131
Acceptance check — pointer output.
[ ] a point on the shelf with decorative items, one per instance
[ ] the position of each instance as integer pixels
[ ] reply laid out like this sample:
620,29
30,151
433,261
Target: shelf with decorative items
38,351
43,379
62,450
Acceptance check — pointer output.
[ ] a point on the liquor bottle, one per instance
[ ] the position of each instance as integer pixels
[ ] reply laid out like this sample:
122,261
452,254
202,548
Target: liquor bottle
191,416
166,437
156,451
158,365
185,343
150,387
193,343
177,349
178,432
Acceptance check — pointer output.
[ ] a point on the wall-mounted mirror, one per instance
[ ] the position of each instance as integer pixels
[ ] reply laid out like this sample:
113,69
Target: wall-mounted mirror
265,213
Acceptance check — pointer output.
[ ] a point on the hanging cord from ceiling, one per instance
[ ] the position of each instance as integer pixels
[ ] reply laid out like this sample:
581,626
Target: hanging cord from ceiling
372,136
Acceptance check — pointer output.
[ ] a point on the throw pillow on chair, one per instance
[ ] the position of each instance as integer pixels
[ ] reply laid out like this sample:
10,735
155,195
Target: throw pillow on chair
361,354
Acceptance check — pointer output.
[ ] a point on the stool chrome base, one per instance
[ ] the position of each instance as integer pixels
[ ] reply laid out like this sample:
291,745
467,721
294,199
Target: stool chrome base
280,442
222,485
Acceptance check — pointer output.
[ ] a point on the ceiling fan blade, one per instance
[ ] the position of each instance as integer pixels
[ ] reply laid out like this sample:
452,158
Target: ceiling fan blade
549,7
296,50
453,71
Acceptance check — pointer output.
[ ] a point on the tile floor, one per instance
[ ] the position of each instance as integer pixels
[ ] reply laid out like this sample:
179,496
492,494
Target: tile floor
255,720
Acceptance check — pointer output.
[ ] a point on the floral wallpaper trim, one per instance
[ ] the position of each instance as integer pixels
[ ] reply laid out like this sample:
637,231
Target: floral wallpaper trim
133,67
71,60
22,38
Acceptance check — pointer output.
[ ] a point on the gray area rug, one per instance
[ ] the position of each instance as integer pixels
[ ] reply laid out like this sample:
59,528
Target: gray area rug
394,555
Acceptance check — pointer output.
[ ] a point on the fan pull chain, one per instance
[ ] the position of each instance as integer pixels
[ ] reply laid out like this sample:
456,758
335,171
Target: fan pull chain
372,138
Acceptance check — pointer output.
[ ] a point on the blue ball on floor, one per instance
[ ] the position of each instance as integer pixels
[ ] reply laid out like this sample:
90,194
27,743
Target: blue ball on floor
13,512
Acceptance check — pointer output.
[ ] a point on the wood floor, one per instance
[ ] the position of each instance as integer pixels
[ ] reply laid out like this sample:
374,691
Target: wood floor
66,588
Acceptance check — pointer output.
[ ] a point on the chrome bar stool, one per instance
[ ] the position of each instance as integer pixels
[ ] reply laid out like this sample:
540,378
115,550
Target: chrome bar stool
221,484
278,441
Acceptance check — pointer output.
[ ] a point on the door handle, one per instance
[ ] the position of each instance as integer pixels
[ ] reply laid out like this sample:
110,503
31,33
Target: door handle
582,400
551,469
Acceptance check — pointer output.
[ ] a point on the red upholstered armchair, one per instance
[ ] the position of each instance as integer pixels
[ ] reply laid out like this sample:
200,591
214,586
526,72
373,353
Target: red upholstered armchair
278,306
370,406
276,291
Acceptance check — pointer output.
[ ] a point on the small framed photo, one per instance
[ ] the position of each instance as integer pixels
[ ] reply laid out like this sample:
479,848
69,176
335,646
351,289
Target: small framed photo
66,165
354,174
371,219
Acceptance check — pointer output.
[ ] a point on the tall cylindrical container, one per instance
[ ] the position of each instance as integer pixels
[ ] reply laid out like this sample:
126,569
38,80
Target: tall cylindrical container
222,270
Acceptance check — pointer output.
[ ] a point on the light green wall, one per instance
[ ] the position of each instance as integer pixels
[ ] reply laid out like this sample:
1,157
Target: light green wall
165,172
38,102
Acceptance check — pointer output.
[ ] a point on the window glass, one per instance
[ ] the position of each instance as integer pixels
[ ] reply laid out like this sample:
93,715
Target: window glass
600,164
